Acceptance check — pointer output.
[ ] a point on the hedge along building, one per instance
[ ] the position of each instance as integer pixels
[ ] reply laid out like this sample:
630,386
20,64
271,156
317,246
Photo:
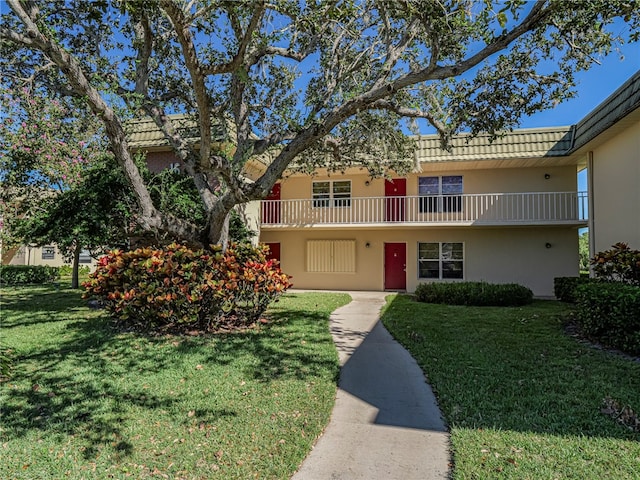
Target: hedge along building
505,211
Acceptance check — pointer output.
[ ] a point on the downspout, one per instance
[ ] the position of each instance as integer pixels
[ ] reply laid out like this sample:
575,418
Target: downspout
591,203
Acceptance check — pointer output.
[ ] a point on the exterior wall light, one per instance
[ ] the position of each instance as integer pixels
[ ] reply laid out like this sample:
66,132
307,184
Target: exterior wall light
547,176
547,245
367,245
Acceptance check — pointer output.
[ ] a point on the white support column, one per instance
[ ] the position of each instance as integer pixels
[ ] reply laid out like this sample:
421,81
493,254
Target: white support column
591,203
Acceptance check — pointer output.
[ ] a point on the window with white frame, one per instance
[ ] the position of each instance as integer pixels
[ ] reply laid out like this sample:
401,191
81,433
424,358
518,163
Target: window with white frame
48,252
85,256
331,193
441,260
441,194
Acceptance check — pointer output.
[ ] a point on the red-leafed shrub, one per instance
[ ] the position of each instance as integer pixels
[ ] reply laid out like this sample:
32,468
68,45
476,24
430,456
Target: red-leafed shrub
620,264
176,288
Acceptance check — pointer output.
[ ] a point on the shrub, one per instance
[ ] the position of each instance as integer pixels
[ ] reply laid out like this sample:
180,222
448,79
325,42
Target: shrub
620,264
610,314
564,287
474,293
67,270
28,274
177,288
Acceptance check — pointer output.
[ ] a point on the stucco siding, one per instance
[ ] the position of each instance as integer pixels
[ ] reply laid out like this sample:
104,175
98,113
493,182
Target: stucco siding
158,161
616,190
500,255
27,255
505,180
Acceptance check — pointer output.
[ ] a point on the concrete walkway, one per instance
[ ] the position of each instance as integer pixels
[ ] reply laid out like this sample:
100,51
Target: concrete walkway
386,424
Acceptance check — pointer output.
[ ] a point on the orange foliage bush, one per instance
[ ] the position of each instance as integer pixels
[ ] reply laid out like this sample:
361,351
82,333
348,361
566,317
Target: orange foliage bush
176,288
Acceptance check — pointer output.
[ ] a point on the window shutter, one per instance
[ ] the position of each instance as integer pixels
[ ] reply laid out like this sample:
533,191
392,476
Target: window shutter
331,256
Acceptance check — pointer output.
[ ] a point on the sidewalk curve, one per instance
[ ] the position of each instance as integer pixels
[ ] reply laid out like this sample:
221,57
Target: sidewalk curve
386,424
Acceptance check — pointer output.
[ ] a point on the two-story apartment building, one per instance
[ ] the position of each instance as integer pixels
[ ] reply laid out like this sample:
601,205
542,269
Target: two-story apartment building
503,212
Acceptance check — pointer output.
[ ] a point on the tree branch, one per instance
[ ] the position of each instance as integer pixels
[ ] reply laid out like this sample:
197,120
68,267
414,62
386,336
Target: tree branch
150,218
385,104
244,40
186,40
144,38
367,100
395,51
15,37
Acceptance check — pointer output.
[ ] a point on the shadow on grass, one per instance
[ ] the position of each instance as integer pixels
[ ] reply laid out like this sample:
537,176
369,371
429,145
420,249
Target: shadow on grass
280,350
514,368
34,305
73,385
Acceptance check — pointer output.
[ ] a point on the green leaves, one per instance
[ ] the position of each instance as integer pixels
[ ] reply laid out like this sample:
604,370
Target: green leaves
299,82
176,288
610,313
474,294
502,19
619,264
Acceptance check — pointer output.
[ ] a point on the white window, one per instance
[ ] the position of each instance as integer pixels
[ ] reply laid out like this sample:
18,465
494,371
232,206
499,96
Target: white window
440,260
85,256
331,256
48,252
336,193
442,194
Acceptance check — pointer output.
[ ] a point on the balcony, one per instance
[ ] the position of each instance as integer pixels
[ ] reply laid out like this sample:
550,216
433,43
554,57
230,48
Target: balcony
488,209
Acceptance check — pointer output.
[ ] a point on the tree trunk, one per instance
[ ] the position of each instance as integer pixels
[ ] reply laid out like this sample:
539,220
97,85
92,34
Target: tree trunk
218,231
224,234
76,264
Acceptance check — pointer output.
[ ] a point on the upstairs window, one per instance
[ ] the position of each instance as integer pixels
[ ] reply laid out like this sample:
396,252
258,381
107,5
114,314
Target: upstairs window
442,194
336,193
440,260
48,252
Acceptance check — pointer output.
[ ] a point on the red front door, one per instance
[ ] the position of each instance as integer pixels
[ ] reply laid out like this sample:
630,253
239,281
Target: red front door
274,251
395,190
271,208
395,265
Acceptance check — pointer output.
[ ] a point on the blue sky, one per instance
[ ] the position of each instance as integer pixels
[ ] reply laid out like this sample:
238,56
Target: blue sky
594,86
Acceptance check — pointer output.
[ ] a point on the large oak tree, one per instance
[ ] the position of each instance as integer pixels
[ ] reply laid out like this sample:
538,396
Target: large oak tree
319,82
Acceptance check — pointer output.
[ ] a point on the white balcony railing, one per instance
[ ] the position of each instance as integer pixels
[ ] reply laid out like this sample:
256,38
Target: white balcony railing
466,209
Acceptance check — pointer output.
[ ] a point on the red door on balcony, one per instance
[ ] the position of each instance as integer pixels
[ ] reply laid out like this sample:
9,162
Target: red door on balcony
271,209
395,266
395,190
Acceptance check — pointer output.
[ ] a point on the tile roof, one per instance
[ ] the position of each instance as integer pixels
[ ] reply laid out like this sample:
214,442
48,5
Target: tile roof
614,108
523,143
144,133
517,144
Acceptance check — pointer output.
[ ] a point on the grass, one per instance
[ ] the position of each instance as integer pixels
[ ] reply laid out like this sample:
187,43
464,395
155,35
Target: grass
522,398
88,402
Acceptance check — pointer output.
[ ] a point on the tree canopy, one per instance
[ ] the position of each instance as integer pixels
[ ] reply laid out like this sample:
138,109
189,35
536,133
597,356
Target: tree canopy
45,148
328,83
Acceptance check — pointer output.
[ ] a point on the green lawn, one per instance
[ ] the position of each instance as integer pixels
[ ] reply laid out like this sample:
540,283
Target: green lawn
88,402
522,398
